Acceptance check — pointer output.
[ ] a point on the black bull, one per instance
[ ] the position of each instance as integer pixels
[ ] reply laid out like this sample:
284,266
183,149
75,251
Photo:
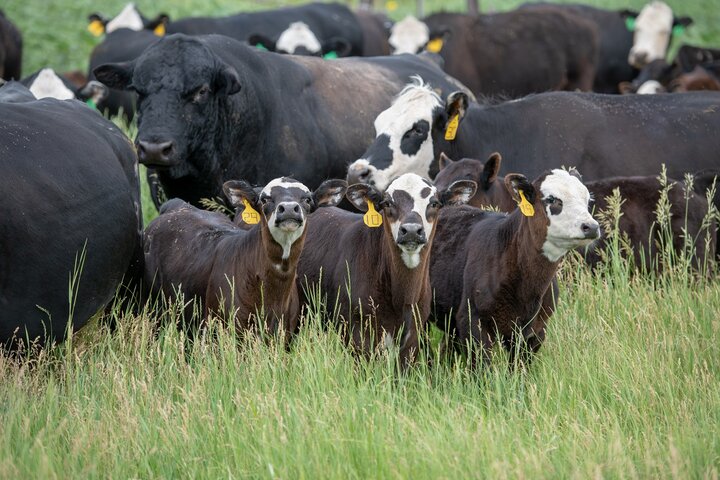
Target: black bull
212,109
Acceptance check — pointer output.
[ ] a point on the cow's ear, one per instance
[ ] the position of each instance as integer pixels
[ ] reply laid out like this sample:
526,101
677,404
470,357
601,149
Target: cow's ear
158,24
227,81
457,104
515,183
96,24
238,190
340,46
458,193
115,75
490,170
444,161
359,195
329,193
94,90
626,88
261,41
682,21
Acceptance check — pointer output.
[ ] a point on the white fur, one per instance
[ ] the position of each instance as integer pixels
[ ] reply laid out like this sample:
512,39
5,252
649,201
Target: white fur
414,103
280,182
49,85
127,18
651,87
653,27
298,34
413,184
564,232
409,35
284,238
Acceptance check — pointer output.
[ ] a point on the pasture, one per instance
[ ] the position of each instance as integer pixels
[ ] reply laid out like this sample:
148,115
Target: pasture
627,384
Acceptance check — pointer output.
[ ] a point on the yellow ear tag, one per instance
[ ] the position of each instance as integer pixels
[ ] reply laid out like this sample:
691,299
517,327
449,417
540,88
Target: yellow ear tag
250,215
372,218
96,27
435,45
159,30
525,207
452,127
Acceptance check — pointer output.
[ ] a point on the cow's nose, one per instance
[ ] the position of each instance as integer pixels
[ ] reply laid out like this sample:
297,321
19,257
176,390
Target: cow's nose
638,59
289,212
358,174
590,230
155,153
410,233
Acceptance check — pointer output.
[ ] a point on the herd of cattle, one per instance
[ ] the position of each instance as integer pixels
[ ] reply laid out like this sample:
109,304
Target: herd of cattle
260,110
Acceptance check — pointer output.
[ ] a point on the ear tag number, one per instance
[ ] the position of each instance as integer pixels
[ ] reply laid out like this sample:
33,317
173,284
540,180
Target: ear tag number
630,23
96,27
452,127
159,30
372,218
434,45
678,30
250,215
525,207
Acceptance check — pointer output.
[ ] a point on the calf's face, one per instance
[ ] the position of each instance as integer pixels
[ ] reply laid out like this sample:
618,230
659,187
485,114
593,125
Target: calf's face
490,191
653,30
409,35
410,207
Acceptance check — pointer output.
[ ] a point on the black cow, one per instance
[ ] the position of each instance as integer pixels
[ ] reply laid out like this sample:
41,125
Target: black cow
71,210
10,49
376,30
212,109
129,18
46,83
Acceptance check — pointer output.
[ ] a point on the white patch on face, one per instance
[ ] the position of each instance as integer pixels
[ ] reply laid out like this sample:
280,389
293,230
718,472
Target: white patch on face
564,232
653,28
651,87
284,237
408,35
49,85
284,183
298,34
413,185
127,18
414,103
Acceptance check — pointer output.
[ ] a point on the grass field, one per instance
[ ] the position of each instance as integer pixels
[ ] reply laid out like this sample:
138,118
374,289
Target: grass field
626,386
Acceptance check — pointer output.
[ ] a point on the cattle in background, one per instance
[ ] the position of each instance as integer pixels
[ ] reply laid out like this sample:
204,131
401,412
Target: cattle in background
234,271
299,39
46,83
510,54
640,194
493,274
129,18
379,275
212,109
602,135
409,35
10,49
699,78
71,207
376,30
653,30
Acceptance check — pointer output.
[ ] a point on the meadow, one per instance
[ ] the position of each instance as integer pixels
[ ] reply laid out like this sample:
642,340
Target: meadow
627,384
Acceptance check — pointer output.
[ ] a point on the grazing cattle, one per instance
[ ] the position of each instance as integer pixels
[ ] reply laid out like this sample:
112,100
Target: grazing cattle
71,215
10,49
493,273
510,54
211,108
640,195
129,18
602,135
379,276
46,83
238,272
653,30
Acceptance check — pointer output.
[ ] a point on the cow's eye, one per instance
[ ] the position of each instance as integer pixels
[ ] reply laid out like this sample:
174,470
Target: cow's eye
434,204
264,200
308,200
550,200
201,94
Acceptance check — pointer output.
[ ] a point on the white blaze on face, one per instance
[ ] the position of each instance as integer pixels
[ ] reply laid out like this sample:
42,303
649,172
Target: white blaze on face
653,28
422,193
565,230
297,35
409,35
49,85
650,87
284,238
127,18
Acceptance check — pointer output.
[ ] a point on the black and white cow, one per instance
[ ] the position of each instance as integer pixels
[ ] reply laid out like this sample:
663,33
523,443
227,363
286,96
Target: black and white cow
70,192
212,109
653,31
46,83
129,18
11,46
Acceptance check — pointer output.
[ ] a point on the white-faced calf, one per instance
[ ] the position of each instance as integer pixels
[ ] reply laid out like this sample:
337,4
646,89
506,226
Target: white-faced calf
241,272
379,275
493,273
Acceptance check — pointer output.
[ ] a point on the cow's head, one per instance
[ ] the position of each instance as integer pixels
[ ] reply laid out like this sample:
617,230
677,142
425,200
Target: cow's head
653,29
299,39
409,208
561,210
284,204
407,135
130,18
409,35
182,89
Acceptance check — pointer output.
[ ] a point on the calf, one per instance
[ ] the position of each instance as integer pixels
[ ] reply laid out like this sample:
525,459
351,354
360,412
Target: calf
638,221
493,273
653,29
235,271
46,83
11,45
379,276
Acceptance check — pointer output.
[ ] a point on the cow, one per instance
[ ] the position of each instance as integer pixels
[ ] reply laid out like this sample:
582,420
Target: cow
652,32
601,135
698,78
211,109
493,274
71,224
45,83
374,268
234,271
510,54
129,18
638,221
11,46
376,30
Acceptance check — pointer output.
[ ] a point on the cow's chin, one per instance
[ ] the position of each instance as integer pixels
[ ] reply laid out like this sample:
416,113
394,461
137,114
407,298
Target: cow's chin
289,225
410,254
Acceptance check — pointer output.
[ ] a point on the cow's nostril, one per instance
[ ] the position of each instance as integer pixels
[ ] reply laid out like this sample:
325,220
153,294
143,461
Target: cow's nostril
296,208
363,175
281,209
421,232
403,231
167,150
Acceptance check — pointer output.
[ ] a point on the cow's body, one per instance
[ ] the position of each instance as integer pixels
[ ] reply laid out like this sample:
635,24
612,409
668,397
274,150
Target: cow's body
10,49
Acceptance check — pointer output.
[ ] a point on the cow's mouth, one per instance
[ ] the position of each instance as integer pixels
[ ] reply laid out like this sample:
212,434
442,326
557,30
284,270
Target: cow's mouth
289,224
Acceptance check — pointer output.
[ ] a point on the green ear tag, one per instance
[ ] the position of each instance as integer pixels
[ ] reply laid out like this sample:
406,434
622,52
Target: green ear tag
678,30
630,23
91,103
330,55
260,46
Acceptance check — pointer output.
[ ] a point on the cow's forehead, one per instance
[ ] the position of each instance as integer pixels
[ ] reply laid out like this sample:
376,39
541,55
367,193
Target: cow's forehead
655,15
413,185
414,103
298,34
284,183
127,18
409,31
48,84
564,186
174,63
